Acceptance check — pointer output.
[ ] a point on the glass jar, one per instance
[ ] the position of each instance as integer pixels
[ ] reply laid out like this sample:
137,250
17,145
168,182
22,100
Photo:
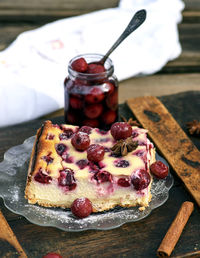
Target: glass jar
91,98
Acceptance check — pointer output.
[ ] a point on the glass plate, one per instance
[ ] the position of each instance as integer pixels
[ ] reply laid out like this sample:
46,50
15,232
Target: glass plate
13,173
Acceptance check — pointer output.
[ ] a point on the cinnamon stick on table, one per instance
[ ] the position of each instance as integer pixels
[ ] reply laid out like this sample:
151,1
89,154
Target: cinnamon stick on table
171,238
6,233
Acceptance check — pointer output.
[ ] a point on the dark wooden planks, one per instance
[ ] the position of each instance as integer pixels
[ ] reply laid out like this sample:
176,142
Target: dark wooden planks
49,10
12,10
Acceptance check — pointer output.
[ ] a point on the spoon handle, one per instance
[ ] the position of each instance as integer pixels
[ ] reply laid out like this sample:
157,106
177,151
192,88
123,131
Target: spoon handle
135,22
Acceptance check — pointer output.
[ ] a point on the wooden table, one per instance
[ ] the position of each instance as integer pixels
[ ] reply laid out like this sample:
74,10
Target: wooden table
140,239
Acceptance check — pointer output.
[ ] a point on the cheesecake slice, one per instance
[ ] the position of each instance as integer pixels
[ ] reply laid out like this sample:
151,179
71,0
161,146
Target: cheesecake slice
59,173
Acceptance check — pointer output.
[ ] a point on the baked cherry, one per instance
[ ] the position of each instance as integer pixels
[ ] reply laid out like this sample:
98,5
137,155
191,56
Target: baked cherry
60,148
80,65
66,134
95,95
95,68
140,179
159,169
109,117
67,158
66,178
124,182
95,152
42,178
121,163
80,141
52,255
82,163
48,159
85,129
103,176
81,207
121,130
93,111
75,103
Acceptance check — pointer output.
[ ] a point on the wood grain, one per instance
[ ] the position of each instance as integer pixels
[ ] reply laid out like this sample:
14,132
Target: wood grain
48,10
11,10
7,234
171,140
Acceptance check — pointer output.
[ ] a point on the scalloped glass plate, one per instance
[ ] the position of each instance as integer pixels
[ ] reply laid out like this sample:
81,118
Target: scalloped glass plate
13,173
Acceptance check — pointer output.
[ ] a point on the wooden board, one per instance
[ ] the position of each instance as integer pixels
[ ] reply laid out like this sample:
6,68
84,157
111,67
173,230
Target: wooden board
171,140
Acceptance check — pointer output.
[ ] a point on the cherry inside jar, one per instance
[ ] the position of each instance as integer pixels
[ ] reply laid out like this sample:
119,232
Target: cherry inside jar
91,92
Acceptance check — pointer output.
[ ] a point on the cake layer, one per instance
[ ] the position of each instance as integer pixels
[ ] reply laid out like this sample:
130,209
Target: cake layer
58,173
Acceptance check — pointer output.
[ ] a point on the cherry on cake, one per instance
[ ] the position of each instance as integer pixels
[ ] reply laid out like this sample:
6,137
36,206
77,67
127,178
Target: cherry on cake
109,168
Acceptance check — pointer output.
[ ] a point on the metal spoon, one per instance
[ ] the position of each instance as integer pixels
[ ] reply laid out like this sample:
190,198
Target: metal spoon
135,22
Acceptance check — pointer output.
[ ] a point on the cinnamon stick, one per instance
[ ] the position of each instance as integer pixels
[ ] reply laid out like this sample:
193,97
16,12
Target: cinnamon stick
171,238
6,233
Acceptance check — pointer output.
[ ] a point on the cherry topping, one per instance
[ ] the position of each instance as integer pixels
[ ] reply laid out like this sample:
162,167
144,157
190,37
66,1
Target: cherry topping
93,111
141,179
80,141
52,255
66,135
159,169
109,117
47,158
95,95
42,178
82,163
81,207
94,167
95,152
124,182
103,176
66,178
85,129
67,158
121,130
60,148
95,68
80,65
121,163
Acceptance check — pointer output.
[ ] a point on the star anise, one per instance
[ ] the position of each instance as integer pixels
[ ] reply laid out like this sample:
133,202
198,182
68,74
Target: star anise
122,147
193,127
131,121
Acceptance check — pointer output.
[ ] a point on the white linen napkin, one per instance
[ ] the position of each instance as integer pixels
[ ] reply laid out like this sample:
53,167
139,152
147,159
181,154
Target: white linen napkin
33,67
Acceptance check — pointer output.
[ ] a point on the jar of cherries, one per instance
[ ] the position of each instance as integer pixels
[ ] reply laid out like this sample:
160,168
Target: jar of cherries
91,92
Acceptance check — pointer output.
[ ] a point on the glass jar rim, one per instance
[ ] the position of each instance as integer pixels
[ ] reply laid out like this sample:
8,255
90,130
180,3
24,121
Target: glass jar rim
109,69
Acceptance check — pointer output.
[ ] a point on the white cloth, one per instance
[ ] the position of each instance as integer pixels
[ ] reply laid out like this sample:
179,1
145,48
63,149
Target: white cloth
33,67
